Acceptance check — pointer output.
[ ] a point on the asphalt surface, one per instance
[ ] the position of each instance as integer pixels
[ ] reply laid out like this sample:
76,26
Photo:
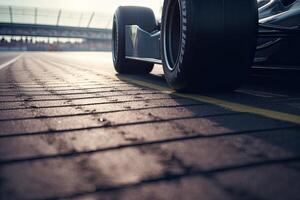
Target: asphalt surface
70,128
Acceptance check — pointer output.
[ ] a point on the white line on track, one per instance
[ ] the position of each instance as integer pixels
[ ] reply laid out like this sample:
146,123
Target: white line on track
10,62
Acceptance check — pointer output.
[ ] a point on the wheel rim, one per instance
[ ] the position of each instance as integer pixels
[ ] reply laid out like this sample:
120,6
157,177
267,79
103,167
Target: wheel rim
114,40
172,34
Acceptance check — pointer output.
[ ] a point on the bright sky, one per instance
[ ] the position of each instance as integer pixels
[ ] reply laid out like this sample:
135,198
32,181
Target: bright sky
105,6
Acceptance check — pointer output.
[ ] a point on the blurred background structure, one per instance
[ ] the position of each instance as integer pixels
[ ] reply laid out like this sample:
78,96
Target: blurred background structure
41,29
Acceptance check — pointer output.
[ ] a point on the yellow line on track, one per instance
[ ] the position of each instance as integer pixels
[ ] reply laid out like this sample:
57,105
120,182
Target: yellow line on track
225,104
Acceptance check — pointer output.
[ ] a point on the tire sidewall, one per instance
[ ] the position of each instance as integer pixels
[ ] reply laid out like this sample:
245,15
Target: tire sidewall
177,77
119,39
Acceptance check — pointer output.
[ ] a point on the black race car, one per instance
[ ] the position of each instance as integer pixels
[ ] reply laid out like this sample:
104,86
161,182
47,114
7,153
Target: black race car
207,45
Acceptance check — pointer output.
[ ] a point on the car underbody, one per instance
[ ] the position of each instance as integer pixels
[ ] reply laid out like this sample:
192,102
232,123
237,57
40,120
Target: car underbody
279,41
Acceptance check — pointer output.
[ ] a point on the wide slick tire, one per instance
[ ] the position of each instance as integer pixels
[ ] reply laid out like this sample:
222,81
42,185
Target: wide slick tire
130,15
206,45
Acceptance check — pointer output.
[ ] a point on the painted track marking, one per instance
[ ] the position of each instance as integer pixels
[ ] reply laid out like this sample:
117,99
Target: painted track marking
10,62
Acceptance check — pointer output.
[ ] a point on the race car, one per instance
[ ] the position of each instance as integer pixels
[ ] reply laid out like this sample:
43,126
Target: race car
207,46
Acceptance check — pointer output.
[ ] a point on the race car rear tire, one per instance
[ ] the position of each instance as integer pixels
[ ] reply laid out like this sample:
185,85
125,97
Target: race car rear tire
208,46
130,15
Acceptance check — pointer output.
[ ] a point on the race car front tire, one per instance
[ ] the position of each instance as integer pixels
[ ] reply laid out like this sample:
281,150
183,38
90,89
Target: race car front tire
206,45
130,15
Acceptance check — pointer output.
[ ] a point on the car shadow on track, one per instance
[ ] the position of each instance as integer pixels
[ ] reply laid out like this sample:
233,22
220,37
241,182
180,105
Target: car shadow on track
275,90
283,80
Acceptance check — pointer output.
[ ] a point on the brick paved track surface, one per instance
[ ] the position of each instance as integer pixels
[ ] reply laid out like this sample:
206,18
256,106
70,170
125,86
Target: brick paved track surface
70,128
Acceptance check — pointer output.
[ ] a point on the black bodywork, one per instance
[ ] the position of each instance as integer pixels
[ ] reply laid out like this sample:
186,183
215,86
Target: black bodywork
278,38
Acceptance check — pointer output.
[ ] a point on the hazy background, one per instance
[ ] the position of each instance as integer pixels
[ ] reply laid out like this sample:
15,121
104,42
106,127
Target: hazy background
104,6
72,13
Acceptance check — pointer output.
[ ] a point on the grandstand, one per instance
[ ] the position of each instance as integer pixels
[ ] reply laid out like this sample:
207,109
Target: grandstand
38,29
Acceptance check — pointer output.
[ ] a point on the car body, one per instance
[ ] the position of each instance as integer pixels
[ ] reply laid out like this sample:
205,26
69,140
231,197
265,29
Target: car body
278,51
210,34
